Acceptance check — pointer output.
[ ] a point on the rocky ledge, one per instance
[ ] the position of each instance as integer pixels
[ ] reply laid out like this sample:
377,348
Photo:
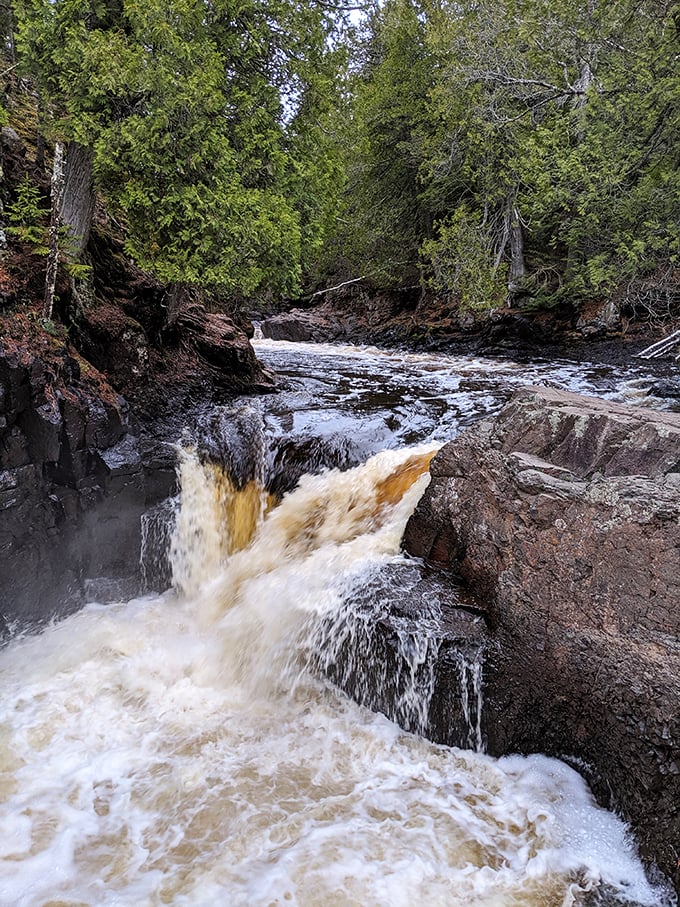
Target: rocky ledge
562,516
360,313
80,463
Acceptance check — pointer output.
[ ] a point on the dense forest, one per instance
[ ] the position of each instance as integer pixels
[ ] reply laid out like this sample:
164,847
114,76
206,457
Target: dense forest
490,153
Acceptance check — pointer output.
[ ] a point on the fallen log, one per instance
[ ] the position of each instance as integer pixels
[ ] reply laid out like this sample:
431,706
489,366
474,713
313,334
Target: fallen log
661,347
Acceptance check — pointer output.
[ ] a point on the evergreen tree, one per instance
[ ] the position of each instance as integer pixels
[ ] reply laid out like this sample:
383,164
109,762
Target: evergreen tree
383,217
526,149
190,114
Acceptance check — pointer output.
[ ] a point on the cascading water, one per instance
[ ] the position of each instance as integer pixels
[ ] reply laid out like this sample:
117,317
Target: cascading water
384,645
183,750
383,666
157,531
471,697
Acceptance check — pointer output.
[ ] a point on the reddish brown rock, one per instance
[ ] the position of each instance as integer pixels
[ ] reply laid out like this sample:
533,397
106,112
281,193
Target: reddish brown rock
563,516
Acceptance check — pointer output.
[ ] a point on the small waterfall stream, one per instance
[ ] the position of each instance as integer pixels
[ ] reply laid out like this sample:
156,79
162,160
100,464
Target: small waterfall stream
199,747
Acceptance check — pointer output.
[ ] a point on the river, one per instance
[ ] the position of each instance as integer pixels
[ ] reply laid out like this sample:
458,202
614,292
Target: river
186,748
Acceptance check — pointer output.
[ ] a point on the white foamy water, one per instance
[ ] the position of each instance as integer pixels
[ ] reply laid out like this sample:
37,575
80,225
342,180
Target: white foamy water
174,750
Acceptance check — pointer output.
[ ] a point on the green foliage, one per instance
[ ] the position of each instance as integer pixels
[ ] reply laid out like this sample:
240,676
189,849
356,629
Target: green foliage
58,331
28,217
207,123
382,219
541,138
77,270
460,261
488,147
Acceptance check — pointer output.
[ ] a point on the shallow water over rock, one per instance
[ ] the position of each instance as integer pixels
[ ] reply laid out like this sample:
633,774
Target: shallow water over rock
340,404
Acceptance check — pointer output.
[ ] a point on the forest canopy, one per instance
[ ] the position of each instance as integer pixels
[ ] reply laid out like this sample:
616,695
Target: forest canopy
510,149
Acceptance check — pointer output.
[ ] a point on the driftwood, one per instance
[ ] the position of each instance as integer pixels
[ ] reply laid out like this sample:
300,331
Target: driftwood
338,286
661,347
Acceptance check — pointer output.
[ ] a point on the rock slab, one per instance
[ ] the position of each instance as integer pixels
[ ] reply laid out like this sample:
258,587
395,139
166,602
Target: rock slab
563,517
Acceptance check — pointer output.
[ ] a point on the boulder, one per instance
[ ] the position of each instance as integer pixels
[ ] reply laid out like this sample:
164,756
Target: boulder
300,326
666,388
562,516
222,350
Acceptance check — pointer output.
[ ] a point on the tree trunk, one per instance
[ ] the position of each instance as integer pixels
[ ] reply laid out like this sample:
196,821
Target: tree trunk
3,237
55,223
512,236
77,205
518,268
178,299
7,20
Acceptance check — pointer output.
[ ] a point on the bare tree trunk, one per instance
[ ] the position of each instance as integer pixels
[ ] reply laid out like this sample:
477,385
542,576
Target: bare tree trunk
512,236
3,237
55,222
77,204
40,151
518,268
7,19
178,298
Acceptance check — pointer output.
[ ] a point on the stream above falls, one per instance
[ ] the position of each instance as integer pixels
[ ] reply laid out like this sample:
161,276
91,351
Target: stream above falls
340,404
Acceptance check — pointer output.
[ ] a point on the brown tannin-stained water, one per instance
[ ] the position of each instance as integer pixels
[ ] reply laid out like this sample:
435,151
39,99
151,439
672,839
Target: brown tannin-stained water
186,749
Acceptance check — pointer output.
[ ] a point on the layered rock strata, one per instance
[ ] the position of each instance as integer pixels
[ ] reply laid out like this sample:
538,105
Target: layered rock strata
563,517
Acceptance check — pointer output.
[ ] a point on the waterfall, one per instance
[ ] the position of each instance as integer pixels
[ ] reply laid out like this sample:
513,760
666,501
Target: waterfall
384,660
385,644
383,666
157,530
193,749
471,697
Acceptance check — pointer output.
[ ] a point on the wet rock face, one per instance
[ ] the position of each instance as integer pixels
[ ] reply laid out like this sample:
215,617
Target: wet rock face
563,515
73,484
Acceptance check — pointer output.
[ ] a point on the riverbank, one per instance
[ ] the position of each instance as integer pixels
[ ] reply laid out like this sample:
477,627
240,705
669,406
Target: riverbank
89,413
416,320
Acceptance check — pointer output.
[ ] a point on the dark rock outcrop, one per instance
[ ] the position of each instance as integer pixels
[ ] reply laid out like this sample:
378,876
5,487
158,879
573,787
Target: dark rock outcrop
119,320
74,482
354,314
300,325
668,388
417,317
563,516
